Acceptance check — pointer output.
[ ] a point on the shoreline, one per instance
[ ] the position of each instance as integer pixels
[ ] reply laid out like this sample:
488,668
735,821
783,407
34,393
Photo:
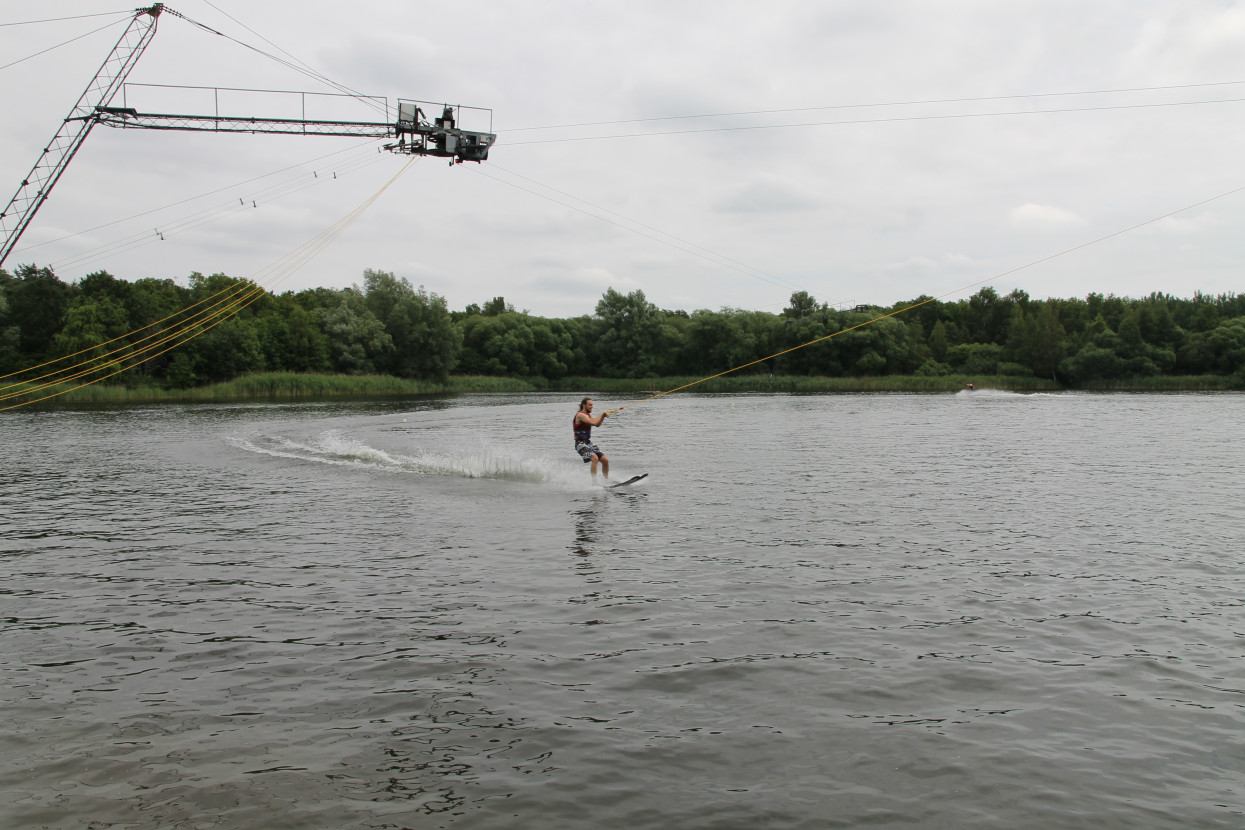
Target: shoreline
287,386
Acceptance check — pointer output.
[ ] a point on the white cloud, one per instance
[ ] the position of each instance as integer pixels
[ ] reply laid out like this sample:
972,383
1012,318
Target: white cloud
863,208
916,263
766,196
1044,217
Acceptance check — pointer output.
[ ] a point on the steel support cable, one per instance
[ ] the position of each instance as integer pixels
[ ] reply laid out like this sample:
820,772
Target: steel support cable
204,217
201,217
184,201
726,261
195,331
1009,272
292,262
126,12
187,321
302,70
306,70
249,294
68,139
944,117
876,104
244,293
59,45
746,270
195,220
59,373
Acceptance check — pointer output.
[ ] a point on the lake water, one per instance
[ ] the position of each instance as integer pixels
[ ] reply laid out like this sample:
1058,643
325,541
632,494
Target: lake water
982,610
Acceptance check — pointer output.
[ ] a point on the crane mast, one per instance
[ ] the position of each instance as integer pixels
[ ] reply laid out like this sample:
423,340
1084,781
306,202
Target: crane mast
56,156
413,132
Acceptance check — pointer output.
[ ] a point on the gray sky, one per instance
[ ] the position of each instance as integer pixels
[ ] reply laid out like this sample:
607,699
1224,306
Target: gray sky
910,148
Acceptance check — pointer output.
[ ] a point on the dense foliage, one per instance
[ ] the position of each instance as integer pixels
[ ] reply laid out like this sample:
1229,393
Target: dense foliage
386,326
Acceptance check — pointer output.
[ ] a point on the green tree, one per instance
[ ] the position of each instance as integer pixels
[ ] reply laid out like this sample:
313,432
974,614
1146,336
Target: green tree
802,304
925,309
1227,346
1158,326
554,348
515,344
38,301
496,306
291,338
93,328
357,340
503,344
870,363
1130,343
180,373
103,284
1037,341
715,341
988,316
425,341
938,344
975,358
1093,363
10,334
152,306
631,338
814,353
153,300
1196,356
226,350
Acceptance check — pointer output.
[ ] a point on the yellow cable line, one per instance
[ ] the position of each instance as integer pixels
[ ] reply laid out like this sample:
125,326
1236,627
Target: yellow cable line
241,289
250,295
237,286
244,297
94,365
188,321
247,292
105,343
932,299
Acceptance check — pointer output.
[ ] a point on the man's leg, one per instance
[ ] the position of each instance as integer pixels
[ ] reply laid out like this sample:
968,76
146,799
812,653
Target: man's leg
605,466
594,468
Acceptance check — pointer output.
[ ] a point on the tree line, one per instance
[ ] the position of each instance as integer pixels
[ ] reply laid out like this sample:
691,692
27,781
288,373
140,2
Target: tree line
384,325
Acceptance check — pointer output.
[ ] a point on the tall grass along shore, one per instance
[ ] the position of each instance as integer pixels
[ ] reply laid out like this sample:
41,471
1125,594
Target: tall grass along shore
290,385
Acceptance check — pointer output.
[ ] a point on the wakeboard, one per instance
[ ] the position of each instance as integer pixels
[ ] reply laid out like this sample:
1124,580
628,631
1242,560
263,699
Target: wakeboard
631,480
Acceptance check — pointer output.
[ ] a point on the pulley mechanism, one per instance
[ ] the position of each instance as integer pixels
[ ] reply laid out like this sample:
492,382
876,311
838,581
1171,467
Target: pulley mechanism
441,137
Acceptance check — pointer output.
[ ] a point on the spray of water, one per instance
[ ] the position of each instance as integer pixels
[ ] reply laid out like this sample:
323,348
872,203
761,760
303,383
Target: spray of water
334,448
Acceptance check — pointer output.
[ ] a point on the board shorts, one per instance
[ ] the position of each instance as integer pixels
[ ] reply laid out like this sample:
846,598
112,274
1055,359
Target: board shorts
586,450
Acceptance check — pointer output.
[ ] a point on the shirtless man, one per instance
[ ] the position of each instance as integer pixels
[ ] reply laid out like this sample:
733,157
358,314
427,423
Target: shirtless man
588,451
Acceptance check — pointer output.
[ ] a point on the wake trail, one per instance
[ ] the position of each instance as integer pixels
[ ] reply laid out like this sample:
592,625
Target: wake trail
335,449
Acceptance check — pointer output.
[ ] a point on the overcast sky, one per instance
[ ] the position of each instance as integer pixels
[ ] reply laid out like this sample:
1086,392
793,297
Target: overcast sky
865,152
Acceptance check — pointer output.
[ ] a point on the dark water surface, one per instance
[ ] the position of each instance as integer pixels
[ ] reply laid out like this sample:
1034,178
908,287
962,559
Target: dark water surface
980,610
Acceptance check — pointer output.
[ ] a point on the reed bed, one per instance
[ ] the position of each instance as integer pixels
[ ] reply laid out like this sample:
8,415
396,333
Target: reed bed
291,385
803,384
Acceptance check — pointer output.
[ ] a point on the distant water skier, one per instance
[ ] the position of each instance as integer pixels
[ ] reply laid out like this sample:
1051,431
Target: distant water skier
588,451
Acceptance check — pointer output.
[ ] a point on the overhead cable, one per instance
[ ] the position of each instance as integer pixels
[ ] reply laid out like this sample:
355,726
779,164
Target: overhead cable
979,99
928,300
944,117
684,245
59,45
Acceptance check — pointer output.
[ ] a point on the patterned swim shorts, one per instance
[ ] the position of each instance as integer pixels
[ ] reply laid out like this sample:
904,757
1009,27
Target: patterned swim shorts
586,450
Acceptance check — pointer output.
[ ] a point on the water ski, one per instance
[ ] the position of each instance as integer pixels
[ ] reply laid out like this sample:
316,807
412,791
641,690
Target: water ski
631,480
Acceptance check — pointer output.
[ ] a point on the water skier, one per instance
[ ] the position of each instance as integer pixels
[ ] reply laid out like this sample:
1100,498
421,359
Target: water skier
588,451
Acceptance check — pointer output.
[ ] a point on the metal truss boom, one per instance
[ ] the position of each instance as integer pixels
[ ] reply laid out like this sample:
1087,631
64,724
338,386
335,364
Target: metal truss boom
134,120
34,189
412,133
